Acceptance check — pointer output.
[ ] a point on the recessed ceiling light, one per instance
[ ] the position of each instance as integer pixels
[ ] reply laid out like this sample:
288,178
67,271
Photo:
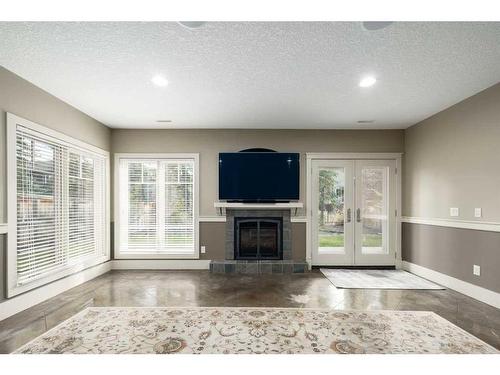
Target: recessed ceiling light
159,80
376,25
367,81
192,24
163,121
366,121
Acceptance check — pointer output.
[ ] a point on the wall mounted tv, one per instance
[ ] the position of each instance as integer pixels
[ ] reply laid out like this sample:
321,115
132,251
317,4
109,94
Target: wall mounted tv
259,176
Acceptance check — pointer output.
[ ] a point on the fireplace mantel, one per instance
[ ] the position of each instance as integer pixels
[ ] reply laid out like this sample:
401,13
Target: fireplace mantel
294,206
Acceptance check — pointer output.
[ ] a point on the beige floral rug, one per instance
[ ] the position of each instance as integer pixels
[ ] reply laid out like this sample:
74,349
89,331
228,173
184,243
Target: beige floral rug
202,330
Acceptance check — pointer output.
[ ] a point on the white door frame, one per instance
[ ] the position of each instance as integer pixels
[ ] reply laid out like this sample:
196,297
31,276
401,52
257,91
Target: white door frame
310,156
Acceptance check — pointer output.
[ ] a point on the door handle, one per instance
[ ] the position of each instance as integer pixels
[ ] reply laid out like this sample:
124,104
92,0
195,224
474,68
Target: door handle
348,215
358,215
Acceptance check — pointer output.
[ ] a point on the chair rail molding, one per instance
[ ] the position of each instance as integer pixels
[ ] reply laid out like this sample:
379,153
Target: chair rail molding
212,219
489,226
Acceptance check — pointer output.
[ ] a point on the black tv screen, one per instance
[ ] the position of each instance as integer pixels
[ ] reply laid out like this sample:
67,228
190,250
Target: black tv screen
259,176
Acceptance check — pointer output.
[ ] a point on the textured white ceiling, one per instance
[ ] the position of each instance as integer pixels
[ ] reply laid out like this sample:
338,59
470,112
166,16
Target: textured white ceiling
255,75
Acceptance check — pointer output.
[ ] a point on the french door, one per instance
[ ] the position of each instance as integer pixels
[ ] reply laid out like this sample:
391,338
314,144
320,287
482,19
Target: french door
354,212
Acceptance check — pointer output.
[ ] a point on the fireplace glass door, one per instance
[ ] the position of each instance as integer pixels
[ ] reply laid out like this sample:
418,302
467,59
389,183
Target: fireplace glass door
248,239
258,238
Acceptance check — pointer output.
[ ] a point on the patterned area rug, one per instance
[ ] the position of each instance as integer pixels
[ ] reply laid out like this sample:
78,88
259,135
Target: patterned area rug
224,330
376,279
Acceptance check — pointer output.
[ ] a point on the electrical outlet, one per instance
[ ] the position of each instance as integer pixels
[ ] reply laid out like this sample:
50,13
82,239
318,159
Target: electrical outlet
454,211
478,212
476,270
203,250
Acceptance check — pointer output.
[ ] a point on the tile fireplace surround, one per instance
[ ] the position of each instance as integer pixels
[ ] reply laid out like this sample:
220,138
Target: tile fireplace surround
285,265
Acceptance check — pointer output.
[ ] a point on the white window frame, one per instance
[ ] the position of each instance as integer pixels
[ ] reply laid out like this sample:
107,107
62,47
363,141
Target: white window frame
44,132
196,206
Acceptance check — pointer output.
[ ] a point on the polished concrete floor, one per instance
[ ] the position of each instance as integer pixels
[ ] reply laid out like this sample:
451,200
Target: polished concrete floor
201,288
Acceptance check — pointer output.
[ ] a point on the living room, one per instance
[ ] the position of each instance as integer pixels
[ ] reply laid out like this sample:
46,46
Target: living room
250,187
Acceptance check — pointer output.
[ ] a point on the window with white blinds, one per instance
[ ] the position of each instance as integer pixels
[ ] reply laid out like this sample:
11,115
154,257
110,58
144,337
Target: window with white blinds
59,207
157,207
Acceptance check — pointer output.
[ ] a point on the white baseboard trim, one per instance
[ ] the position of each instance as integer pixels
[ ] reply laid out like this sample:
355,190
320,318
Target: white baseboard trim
23,301
481,294
160,264
212,219
454,223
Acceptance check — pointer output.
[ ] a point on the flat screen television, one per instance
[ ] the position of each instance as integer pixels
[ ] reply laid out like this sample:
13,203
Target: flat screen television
259,176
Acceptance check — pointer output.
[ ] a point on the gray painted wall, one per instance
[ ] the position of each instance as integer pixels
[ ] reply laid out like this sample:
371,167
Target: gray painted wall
452,160
22,98
298,241
213,237
453,251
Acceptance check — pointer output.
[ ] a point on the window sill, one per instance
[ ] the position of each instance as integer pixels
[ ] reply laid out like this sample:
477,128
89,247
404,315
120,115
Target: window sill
69,271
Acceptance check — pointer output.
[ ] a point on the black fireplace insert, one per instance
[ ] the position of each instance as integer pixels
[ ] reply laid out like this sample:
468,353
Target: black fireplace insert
258,238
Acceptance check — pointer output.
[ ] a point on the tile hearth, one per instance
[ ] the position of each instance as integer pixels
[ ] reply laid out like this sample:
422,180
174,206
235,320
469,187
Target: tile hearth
258,266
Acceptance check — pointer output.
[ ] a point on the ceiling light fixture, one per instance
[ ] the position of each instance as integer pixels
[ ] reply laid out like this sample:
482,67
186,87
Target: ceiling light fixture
163,121
192,24
159,80
367,81
366,121
376,25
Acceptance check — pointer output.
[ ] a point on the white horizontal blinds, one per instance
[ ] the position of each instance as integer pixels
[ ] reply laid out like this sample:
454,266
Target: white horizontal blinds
83,223
60,206
179,213
156,206
39,195
142,234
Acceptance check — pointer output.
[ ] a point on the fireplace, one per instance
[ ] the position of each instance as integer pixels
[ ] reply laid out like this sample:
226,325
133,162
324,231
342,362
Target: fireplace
258,238
258,241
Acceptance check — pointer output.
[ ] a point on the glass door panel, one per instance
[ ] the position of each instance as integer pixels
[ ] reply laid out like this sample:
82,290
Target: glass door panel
374,205
269,239
375,212
332,212
248,233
